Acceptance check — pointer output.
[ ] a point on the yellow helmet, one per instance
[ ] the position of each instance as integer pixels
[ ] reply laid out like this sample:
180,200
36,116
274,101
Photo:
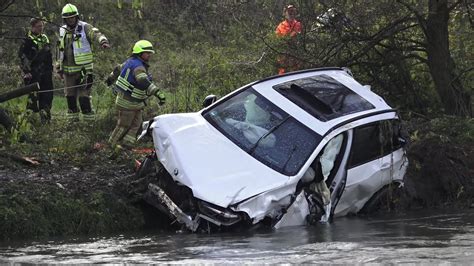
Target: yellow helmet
69,11
142,46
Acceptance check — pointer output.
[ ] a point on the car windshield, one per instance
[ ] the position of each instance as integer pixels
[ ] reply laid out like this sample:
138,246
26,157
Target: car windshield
264,131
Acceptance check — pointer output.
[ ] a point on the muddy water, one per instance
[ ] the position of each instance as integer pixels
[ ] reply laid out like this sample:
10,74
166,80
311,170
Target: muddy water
419,238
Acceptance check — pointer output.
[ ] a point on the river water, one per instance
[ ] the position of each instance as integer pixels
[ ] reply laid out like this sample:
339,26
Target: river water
414,238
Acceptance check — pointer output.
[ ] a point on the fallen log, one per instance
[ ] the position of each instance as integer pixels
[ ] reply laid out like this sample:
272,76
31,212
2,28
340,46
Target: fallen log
19,92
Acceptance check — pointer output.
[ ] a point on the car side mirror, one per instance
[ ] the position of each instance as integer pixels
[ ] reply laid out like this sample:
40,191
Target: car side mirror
210,99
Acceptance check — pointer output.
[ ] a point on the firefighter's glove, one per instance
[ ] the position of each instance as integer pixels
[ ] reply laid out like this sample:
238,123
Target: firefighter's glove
161,97
105,45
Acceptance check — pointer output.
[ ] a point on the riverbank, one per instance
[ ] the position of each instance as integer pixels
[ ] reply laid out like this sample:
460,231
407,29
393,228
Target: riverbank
70,186
66,197
441,167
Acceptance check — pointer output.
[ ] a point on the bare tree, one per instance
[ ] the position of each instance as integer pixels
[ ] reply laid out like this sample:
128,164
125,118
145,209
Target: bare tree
455,99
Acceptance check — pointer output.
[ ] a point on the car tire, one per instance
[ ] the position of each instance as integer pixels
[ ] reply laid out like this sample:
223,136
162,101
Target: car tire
382,200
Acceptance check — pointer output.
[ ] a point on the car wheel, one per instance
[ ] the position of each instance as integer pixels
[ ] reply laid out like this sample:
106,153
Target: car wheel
384,200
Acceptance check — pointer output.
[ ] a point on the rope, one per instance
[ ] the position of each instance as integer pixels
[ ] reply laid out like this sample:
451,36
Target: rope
63,88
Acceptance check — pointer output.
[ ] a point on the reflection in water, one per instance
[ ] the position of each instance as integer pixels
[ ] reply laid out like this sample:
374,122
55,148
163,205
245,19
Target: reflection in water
409,239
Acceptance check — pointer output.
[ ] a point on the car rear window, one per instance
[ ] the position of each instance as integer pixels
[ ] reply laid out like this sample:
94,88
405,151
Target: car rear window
323,97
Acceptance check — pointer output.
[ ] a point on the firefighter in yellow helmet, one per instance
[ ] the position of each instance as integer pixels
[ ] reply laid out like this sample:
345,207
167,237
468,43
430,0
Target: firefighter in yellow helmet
133,86
75,62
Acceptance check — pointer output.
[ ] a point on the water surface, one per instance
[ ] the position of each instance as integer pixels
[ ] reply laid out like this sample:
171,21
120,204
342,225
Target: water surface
418,238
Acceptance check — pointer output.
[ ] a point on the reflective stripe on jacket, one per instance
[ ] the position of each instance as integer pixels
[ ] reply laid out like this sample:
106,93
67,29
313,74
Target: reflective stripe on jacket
127,82
35,54
39,40
78,41
81,46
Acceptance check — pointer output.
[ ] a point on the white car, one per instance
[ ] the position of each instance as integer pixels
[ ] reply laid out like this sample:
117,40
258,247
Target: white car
288,150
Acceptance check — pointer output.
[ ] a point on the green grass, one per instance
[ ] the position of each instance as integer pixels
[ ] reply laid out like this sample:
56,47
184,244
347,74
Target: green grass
46,210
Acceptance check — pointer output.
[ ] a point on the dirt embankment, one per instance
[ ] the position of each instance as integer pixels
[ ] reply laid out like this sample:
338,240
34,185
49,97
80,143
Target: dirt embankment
441,167
66,196
88,194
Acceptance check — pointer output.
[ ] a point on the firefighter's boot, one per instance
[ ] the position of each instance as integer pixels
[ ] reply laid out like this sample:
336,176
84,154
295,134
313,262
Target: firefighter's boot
87,114
72,112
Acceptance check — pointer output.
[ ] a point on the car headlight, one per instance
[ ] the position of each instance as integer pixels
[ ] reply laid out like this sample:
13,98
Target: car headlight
145,127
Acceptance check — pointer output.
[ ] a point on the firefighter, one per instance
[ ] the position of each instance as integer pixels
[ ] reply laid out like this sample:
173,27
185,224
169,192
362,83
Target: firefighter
133,86
36,63
288,28
75,62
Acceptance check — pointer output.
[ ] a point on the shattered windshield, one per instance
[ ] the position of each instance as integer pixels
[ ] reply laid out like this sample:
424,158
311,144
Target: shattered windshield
264,131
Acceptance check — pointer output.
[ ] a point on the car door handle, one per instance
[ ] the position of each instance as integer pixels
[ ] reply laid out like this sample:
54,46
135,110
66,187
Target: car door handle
385,166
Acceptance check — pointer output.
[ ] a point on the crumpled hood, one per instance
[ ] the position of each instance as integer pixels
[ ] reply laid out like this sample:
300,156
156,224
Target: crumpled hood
200,157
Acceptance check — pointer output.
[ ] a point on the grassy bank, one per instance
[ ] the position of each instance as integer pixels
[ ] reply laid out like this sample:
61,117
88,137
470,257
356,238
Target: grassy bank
46,209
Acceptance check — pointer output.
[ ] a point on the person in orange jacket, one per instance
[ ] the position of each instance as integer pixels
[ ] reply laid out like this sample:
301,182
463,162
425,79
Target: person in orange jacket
290,27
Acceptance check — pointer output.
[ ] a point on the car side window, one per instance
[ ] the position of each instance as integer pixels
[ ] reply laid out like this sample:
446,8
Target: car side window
374,141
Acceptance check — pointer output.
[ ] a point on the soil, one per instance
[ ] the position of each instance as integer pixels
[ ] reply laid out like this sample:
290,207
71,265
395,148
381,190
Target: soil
441,168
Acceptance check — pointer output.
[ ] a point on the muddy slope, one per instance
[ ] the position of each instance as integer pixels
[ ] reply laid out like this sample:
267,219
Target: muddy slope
441,167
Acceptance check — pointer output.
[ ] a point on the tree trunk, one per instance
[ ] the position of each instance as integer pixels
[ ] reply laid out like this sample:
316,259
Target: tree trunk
455,99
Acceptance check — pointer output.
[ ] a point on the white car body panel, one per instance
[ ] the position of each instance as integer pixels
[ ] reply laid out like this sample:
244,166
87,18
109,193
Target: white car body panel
346,127
369,177
296,213
199,156
266,203
205,160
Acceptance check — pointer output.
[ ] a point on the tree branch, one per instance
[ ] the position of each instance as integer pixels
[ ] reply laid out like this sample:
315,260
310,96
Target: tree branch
375,39
462,73
454,5
417,14
29,16
416,42
416,56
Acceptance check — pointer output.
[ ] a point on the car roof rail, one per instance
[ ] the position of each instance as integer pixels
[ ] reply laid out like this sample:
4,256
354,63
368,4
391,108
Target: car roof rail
348,71
298,72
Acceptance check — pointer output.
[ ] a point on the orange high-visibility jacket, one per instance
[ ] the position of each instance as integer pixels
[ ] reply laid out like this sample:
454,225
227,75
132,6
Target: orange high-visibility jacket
286,27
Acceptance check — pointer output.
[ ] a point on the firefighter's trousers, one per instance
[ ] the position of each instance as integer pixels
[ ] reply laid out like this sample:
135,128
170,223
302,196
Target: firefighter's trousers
42,100
74,92
128,124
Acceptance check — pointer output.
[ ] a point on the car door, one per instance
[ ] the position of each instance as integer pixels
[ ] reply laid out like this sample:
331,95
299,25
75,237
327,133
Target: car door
372,164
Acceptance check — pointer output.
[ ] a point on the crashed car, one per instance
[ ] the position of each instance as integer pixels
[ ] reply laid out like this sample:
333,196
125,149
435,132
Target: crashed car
294,149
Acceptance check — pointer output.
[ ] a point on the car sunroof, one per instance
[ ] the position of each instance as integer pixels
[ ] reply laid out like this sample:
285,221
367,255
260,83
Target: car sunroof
323,97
